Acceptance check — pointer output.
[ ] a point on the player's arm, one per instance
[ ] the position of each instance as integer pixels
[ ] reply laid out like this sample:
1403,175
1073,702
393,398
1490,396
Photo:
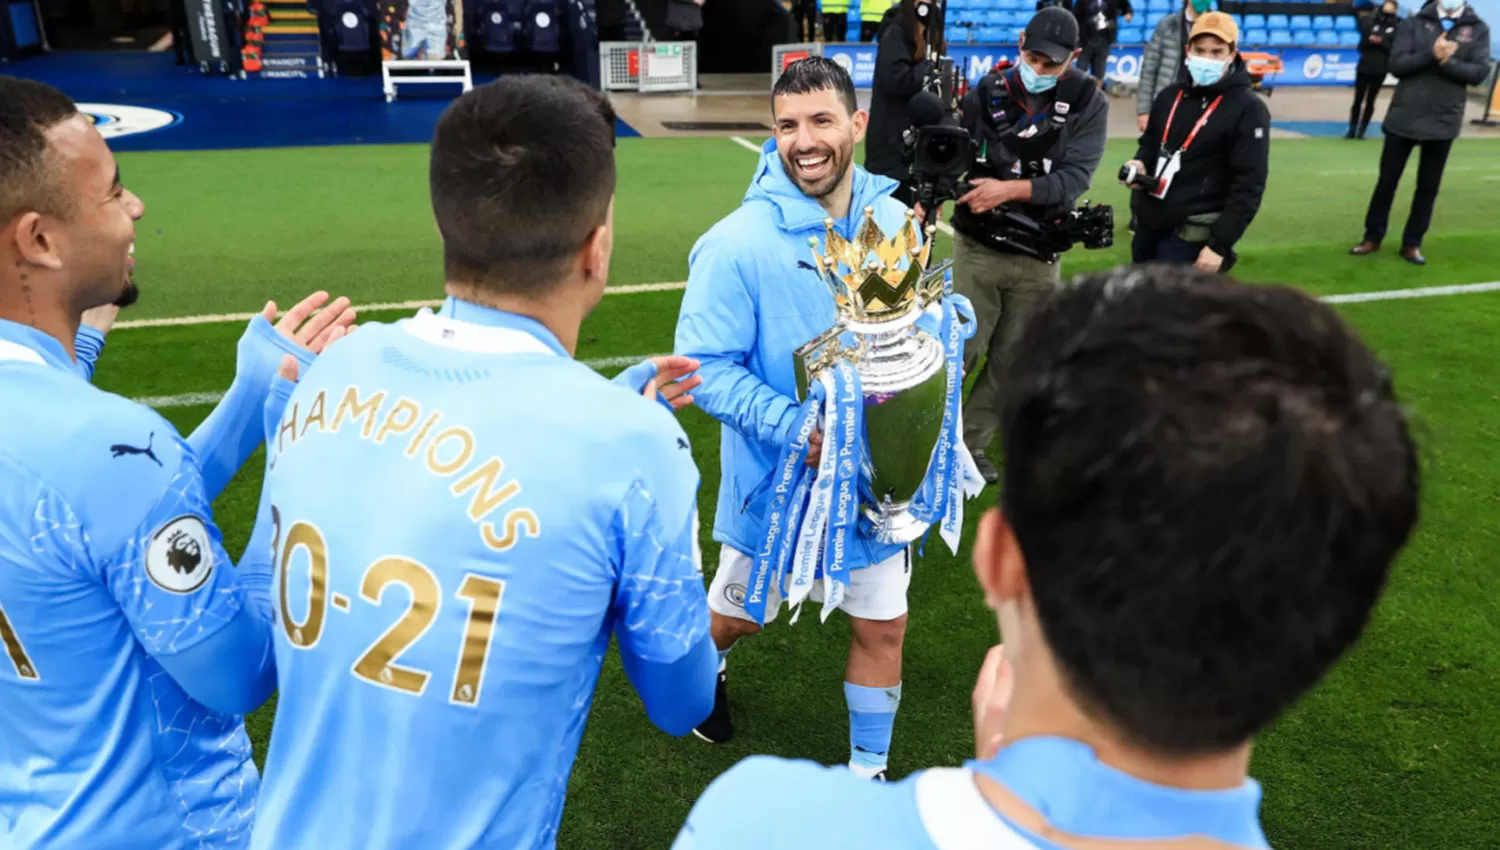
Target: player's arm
1408,55
1469,72
258,562
226,439
717,326
661,610
153,543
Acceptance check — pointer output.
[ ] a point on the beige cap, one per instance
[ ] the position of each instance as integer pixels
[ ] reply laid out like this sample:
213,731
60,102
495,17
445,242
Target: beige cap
1216,23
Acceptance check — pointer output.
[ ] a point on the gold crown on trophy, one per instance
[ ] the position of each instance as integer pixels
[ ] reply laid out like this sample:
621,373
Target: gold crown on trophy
884,276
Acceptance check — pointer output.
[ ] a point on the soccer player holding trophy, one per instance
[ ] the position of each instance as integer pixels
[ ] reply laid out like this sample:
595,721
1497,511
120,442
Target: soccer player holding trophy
833,357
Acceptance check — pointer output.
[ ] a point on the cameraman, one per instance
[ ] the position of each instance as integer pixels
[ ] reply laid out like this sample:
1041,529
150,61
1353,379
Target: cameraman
1040,130
902,62
1207,142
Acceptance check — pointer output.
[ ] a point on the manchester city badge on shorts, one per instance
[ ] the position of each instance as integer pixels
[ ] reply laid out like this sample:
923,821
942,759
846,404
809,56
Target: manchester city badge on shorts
180,557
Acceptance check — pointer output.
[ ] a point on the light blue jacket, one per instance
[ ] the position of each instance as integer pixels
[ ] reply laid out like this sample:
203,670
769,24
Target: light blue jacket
753,297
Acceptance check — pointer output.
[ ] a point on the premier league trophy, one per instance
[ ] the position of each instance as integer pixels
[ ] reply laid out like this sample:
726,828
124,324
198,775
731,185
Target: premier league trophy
885,386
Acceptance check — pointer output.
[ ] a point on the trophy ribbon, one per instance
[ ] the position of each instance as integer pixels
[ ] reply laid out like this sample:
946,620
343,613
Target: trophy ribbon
815,521
846,442
951,475
785,512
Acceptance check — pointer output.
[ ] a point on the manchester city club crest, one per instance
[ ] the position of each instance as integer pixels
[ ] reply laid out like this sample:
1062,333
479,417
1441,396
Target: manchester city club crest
116,120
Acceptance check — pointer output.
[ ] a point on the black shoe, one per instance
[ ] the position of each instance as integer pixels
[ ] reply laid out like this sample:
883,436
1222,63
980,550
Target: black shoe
986,469
717,729
1413,256
1361,134
1350,134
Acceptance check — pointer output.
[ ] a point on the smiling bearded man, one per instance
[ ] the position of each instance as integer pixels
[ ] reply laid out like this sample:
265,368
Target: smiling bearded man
753,297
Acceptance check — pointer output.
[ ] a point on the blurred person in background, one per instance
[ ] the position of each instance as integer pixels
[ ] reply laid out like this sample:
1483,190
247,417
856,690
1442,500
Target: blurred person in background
1208,146
1098,25
871,14
1164,61
835,21
903,61
1436,55
1374,56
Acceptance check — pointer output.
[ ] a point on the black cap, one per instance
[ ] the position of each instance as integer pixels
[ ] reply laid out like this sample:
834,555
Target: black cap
1054,32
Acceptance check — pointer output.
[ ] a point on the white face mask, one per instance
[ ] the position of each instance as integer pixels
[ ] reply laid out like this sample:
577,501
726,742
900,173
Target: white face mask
1450,6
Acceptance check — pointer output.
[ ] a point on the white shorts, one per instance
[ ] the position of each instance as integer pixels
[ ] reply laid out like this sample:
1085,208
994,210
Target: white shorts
877,592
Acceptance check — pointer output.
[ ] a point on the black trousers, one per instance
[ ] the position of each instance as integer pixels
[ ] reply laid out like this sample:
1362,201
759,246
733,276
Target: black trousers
867,30
1366,89
1393,159
835,26
1164,246
1095,56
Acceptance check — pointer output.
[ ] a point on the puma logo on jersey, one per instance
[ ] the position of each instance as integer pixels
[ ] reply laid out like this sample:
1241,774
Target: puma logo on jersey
121,450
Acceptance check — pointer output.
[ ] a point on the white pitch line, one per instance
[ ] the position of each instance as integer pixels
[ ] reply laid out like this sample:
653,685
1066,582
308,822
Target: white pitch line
745,143
632,289
1422,292
194,399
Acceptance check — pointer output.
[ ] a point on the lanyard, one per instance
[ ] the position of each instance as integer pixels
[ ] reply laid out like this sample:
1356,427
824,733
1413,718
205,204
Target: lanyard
1192,134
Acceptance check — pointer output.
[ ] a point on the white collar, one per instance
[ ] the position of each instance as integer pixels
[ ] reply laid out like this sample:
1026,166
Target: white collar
16,352
467,336
958,817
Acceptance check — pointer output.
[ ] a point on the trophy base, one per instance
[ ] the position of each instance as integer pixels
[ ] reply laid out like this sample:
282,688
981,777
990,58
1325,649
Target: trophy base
894,524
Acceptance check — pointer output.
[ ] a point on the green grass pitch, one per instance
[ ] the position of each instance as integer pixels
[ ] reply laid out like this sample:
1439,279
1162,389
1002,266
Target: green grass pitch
1397,749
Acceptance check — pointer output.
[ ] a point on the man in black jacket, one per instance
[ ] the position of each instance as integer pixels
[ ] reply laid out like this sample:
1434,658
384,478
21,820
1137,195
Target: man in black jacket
902,63
1207,144
1041,127
1374,56
1097,26
1438,53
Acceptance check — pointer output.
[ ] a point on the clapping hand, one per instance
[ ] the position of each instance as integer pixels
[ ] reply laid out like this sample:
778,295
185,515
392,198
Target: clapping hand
990,701
313,332
1444,48
674,379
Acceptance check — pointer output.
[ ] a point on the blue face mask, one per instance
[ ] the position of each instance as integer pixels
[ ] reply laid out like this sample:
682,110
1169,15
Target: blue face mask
1205,72
1034,82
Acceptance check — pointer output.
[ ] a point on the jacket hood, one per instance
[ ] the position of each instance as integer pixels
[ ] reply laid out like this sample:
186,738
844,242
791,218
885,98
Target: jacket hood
1238,77
796,211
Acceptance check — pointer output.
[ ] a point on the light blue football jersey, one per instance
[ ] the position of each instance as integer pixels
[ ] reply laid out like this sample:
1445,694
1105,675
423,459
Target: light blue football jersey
463,516
790,805
109,560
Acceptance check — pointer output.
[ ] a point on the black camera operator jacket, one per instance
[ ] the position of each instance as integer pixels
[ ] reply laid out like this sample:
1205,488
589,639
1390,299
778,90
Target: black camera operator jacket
1223,169
1072,122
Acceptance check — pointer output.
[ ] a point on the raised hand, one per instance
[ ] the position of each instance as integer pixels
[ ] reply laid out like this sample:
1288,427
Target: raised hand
674,380
313,332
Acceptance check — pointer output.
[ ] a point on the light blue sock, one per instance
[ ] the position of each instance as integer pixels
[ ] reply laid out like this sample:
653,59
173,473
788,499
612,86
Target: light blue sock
872,718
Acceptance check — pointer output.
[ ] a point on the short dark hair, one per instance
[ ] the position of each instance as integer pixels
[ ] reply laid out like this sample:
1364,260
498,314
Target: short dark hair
1208,482
522,171
816,73
28,181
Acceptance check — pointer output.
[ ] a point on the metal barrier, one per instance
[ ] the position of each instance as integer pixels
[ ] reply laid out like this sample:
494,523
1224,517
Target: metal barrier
647,67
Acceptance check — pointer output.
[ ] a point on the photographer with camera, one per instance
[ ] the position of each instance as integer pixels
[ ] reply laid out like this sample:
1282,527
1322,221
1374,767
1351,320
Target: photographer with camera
1207,143
1039,128
908,49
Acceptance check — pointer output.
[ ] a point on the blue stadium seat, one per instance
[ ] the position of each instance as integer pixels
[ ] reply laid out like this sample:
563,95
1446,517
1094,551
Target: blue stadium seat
1323,22
1014,19
1277,22
1013,35
1348,39
1017,5
1346,23
1163,6
1304,38
1134,35
1257,37
990,35
1255,22
1300,22
1155,18
1280,37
